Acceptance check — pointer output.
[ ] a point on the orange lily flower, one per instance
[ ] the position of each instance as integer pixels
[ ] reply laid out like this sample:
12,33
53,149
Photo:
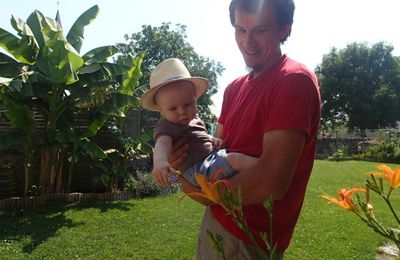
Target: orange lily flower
211,190
344,200
392,176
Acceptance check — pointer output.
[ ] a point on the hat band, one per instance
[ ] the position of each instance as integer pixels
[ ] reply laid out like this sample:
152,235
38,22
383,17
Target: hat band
179,76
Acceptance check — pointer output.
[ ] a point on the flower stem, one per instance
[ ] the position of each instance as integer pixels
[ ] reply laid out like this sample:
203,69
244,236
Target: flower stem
391,208
242,223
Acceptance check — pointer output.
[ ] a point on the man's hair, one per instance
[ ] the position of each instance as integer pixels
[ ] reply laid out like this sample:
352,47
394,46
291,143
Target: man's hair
284,10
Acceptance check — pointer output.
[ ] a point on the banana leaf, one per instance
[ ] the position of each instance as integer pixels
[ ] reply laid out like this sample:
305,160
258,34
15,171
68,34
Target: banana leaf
113,69
25,32
118,101
9,67
18,47
19,116
75,34
130,80
57,59
95,125
100,54
34,22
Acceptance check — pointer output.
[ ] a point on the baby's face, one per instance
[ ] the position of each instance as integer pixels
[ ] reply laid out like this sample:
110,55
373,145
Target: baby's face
177,102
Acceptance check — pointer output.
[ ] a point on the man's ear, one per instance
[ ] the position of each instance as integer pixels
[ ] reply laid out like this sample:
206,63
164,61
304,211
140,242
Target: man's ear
285,32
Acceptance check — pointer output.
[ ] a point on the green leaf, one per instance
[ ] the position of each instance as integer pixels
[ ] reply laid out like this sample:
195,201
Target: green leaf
18,47
105,179
119,101
88,69
145,148
92,149
4,59
95,125
146,136
25,32
19,116
34,22
9,67
216,242
130,80
17,86
57,59
75,34
113,69
65,136
100,54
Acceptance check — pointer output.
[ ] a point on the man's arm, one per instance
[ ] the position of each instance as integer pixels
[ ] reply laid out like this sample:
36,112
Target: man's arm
217,141
273,172
189,188
219,131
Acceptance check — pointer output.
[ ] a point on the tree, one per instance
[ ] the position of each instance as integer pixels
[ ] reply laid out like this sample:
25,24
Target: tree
160,43
360,87
45,74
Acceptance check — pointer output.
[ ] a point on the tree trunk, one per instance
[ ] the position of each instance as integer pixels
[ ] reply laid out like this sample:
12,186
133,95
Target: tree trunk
69,177
26,178
51,177
43,169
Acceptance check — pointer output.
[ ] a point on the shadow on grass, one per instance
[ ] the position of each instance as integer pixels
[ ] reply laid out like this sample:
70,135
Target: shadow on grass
36,226
103,206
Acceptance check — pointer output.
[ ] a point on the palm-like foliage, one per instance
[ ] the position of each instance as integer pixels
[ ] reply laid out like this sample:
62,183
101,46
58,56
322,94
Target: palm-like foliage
45,75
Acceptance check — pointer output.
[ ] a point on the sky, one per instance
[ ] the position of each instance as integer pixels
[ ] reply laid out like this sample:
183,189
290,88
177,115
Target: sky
319,25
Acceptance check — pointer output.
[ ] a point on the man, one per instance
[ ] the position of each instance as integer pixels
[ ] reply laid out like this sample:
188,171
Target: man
271,113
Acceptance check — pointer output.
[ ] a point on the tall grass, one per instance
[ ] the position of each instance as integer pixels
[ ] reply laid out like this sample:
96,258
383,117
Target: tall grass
163,228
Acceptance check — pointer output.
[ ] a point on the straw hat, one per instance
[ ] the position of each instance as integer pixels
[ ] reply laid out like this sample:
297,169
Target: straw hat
168,71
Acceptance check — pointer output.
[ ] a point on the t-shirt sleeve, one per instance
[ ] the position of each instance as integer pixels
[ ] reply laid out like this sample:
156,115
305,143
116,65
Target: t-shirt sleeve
294,104
164,128
225,105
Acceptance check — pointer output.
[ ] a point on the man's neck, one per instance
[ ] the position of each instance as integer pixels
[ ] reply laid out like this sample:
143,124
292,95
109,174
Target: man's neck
257,71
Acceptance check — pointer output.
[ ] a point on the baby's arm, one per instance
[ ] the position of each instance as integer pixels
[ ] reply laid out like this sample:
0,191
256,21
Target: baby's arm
217,140
238,161
161,167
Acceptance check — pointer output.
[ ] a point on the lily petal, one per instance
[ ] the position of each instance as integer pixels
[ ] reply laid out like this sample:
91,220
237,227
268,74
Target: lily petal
344,199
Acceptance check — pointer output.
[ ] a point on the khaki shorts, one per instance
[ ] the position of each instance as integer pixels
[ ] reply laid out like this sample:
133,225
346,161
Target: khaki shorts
234,248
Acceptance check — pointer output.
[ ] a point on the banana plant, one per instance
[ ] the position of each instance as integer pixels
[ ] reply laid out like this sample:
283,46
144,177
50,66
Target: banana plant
43,75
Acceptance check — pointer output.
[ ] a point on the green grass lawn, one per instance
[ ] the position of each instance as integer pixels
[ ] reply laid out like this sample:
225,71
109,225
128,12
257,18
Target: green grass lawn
163,228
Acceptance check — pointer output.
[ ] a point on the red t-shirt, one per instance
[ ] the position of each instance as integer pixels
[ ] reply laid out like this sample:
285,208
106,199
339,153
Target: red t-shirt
284,97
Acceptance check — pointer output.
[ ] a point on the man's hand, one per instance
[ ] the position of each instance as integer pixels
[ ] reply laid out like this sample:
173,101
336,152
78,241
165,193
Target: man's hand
179,153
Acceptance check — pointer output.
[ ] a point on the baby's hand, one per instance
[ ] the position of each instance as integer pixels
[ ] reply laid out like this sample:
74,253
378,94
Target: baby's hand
162,171
218,143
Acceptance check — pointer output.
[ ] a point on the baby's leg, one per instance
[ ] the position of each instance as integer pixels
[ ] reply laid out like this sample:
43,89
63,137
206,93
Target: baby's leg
240,161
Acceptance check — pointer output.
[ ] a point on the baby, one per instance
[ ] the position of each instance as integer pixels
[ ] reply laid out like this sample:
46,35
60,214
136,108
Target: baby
173,92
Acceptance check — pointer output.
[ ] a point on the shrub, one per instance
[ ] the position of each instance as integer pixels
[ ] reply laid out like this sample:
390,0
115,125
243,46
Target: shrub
339,153
144,185
388,150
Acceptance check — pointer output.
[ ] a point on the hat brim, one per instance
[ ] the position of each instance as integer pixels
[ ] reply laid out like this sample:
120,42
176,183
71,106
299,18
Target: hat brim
147,100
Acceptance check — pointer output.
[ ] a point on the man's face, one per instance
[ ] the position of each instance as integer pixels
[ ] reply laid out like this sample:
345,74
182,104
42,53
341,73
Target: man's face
258,37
